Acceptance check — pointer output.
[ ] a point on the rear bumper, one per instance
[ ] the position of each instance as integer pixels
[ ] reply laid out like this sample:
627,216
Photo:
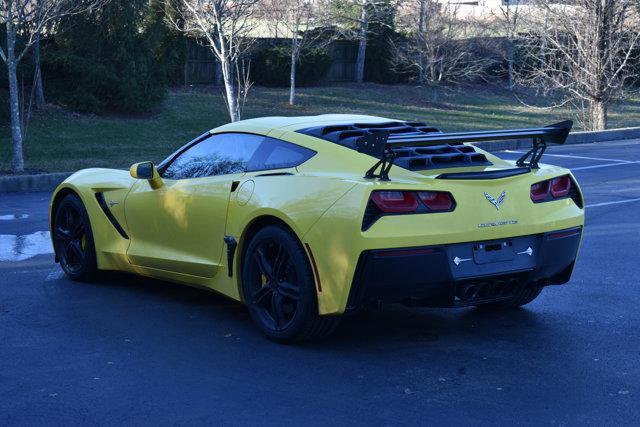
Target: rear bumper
464,273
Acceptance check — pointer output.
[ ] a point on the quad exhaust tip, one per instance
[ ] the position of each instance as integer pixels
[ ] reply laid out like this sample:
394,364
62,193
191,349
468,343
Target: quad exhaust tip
486,290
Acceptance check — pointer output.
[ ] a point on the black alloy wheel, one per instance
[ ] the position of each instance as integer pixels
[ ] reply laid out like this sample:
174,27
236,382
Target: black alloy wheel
276,292
279,288
73,239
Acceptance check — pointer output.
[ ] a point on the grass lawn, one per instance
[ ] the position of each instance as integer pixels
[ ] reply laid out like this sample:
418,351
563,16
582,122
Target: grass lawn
64,141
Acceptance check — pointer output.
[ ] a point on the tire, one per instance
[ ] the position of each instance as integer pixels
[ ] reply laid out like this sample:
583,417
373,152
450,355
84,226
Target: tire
73,239
279,288
522,297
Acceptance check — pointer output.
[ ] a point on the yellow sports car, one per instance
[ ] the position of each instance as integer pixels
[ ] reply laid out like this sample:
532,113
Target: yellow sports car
306,218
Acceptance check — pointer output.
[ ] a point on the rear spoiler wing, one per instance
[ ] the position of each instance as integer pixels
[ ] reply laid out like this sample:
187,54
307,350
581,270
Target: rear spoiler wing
380,144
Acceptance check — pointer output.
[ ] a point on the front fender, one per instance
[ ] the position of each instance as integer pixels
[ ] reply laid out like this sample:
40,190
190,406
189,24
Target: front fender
111,247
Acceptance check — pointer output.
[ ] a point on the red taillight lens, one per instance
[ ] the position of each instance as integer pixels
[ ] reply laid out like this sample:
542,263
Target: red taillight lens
557,187
436,200
539,191
395,201
560,186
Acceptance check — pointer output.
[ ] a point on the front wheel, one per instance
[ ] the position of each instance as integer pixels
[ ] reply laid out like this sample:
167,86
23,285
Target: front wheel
279,288
73,239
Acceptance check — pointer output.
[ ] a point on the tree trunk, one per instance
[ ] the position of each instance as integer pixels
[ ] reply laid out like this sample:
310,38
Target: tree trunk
186,62
362,42
229,89
292,76
14,103
421,41
598,114
510,83
40,101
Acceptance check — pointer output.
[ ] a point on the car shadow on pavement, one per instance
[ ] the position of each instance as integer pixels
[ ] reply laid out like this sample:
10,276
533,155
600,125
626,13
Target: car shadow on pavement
395,326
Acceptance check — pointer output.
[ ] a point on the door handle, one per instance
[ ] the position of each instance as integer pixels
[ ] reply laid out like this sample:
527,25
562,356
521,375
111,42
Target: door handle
234,185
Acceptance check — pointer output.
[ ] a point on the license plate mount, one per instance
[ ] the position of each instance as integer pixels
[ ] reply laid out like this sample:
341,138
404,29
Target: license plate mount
496,251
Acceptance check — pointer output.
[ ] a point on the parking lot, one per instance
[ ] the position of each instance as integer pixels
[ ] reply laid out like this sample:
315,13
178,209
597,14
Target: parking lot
129,350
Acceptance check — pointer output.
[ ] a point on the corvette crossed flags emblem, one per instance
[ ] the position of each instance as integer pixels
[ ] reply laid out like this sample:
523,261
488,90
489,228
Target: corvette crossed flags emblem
493,201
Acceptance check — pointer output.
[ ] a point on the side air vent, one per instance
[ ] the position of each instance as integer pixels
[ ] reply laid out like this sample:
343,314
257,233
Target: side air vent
575,195
112,219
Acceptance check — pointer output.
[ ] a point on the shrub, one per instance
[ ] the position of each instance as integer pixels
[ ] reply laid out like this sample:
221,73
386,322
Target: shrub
106,60
381,35
272,66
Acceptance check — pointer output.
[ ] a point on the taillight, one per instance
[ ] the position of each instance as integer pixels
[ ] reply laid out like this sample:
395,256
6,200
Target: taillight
436,200
556,188
560,186
383,202
395,201
539,191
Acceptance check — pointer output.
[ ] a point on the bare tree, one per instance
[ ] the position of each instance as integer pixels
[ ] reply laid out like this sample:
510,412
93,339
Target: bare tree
354,18
303,22
224,27
507,16
24,21
362,39
583,54
435,47
37,78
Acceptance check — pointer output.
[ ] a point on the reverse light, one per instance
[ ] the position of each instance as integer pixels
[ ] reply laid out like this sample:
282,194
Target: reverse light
436,200
395,201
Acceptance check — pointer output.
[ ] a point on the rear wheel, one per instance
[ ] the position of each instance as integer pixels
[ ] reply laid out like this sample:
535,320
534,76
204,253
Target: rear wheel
73,239
522,297
279,288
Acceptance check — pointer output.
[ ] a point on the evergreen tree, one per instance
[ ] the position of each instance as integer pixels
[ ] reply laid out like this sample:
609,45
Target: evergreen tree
381,34
107,60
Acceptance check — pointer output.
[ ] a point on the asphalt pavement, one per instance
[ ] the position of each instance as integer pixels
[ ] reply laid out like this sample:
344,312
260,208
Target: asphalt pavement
134,351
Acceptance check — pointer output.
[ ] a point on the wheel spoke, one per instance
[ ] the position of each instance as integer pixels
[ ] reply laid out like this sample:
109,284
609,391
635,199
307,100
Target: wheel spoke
63,234
278,311
78,229
280,262
260,296
68,253
288,290
263,264
68,218
78,253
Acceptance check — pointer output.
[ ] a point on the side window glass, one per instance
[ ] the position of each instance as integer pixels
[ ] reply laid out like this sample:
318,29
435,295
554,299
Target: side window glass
219,154
277,154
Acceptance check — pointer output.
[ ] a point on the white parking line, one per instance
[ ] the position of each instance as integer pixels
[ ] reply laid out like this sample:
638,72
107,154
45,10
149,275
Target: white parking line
606,165
574,157
617,202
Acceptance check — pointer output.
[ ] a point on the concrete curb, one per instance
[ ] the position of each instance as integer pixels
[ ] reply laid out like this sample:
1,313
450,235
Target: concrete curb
574,138
49,181
27,183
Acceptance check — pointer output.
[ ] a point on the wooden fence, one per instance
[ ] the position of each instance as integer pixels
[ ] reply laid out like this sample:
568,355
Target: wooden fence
202,67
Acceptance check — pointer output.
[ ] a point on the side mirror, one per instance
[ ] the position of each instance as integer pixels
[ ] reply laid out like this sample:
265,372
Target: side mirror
148,171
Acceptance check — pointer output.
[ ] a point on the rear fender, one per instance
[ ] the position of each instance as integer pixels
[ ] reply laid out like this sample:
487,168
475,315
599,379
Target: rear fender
297,201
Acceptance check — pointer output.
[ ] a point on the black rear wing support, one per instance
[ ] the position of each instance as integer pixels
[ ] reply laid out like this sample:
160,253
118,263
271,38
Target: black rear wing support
380,144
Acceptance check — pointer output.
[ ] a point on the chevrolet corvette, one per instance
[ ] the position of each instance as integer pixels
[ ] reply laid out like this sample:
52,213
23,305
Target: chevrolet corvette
304,219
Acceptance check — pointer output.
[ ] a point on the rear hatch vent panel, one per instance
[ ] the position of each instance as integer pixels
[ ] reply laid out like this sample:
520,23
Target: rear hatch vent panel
450,155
